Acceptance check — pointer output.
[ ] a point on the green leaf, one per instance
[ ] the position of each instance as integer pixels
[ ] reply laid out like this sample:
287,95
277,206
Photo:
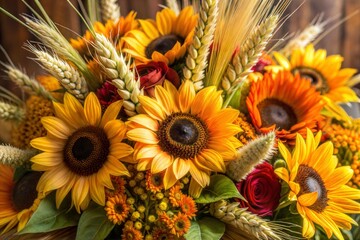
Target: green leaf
206,228
47,218
94,224
221,187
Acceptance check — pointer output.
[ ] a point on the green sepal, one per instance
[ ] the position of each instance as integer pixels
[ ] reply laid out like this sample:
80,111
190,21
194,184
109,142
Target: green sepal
220,187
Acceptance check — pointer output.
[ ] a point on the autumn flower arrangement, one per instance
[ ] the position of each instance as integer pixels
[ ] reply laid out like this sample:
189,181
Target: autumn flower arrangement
180,127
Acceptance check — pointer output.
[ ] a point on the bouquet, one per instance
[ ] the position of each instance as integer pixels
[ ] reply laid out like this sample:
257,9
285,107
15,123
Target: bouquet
180,127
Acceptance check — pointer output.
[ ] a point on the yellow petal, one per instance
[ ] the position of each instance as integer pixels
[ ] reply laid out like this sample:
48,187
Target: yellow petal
54,179
163,97
149,28
307,199
308,230
186,96
92,109
201,177
283,61
160,162
111,112
339,177
62,192
213,160
145,121
120,150
115,167
148,151
97,192
152,108
80,191
115,129
56,127
169,179
143,135
180,167
282,173
48,159
74,110
47,144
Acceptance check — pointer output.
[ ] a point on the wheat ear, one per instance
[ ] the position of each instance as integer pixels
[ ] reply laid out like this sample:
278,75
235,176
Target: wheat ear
15,157
116,69
28,84
173,5
197,53
71,79
232,214
11,112
241,64
54,40
110,10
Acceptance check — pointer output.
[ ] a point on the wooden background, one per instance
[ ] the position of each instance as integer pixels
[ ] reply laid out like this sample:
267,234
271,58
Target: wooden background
344,39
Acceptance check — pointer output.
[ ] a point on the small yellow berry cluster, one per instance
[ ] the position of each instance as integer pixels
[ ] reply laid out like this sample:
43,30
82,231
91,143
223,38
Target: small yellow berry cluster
143,209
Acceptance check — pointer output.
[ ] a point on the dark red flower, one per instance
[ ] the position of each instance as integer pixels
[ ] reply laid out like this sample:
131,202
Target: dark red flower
107,94
261,189
155,73
264,60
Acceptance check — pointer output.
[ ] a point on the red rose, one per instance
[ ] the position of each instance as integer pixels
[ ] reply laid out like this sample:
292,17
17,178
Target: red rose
261,189
107,94
155,73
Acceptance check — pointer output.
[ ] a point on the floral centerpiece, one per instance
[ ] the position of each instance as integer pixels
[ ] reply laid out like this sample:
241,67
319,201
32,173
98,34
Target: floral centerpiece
179,127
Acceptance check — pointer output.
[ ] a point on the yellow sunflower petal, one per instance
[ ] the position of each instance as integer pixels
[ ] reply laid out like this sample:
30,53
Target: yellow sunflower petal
92,109
152,107
97,192
54,179
142,135
120,150
148,151
74,110
62,192
149,28
340,176
282,173
80,192
47,144
212,160
48,159
282,60
115,129
201,177
162,96
308,229
186,96
115,167
145,122
111,112
180,167
56,127
161,161
307,199
164,20
169,178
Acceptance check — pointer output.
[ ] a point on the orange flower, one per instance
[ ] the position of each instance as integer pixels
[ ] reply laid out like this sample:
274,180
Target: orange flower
286,104
154,181
117,209
131,233
119,186
175,195
188,206
181,224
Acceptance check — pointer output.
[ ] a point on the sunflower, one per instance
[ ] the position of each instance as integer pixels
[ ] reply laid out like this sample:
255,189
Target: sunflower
182,132
81,151
286,104
318,186
324,72
163,40
18,200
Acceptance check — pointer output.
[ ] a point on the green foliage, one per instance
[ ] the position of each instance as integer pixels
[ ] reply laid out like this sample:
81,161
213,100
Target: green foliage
47,218
94,224
221,187
206,228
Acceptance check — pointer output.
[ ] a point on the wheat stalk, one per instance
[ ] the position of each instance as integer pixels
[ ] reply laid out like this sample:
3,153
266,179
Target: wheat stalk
69,77
15,157
11,112
54,40
116,69
248,55
250,155
110,10
198,51
232,214
28,84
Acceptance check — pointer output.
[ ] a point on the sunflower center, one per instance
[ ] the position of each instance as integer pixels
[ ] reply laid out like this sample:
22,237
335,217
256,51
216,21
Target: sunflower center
316,78
163,44
310,181
25,186
119,209
183,135
273,111
86,150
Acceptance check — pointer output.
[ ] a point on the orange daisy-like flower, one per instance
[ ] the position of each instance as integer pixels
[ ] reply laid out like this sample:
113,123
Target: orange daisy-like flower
286,104
188,206
175,195
154,182
119,186
18,200
184,132
181,225
163,40
117,209
132,233
112,30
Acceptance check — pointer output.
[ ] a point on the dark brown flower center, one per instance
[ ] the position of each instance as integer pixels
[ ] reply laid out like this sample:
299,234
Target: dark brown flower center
310,181
24,192
86,150
316,78
119,208
163,44
273,111
183,135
